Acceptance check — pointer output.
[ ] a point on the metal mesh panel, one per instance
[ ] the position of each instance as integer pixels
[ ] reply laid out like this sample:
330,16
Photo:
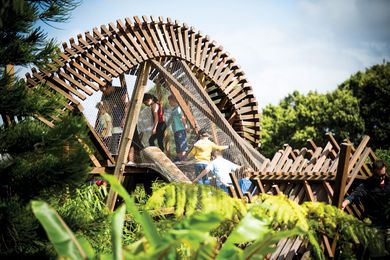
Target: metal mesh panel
203,121
110,121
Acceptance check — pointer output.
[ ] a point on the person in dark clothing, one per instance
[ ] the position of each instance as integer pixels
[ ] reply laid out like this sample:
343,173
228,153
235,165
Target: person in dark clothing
159,124
374,194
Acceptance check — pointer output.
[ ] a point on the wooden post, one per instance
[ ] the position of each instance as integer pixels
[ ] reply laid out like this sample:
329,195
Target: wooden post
184,107
242,145
340,182
214,133
129,129
122,80
211,111
341,175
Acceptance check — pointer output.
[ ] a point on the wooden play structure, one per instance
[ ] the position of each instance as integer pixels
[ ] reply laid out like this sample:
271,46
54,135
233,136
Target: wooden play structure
324,174
202,77
213,93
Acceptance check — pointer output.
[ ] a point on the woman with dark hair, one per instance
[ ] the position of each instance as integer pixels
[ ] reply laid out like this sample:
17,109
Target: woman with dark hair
374,194
159,124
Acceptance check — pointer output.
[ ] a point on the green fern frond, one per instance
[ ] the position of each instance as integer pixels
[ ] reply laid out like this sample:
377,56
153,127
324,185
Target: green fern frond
187,199
332,221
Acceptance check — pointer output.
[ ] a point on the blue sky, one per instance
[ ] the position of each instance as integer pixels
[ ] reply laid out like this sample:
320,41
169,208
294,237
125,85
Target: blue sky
281,46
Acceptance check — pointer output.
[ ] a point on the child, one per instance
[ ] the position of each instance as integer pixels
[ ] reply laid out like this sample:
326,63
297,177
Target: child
244,182
104,123
159,124
179,127
202,152
220,168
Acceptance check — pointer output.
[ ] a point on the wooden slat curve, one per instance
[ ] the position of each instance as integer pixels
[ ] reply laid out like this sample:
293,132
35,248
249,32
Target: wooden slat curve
93,59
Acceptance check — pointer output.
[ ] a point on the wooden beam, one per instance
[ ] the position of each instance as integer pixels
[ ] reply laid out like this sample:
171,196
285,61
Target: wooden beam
341,176
242,145
184,107
130,128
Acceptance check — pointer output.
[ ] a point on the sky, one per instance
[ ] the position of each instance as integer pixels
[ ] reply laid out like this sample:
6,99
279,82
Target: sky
281,46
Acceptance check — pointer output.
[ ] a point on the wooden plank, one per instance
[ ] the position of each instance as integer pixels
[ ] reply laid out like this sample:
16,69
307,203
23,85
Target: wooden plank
325,167
216,60
341,176
104,42
229,69
184,107
204,51
104,58
174,38
126,30
232,191
118,46
130,128
154,25
333,141
273,162
100,46
145,42
186,42
358,152
236,186
121,38
96,60
148,28
287,165
167,36
224,125
221,65
93,68
87,73
99,145
64,76
283,159
210,57
309,191
362,160
259,185
55,87
312,144
181,42
56,80
192,45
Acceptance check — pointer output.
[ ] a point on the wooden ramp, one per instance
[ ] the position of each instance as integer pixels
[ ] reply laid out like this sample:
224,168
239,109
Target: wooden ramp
158,161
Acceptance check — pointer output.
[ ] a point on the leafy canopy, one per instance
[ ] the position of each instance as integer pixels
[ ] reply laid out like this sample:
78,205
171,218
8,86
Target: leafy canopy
372,89
300,117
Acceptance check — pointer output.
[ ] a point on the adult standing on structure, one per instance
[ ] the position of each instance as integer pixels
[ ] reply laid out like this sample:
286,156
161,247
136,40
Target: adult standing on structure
374,194
159,124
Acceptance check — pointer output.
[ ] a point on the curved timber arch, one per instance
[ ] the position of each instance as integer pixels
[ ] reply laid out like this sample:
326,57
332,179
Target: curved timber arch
91,61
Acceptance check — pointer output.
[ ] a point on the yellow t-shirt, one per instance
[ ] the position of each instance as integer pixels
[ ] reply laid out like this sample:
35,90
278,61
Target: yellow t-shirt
203,148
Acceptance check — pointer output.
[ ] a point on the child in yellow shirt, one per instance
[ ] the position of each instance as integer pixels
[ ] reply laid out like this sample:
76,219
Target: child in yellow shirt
202,153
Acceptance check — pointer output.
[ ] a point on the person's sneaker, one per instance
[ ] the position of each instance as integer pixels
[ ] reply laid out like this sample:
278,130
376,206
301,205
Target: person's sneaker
130,163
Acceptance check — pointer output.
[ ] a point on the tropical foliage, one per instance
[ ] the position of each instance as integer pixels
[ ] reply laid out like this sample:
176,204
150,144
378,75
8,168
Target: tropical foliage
257,228
36,161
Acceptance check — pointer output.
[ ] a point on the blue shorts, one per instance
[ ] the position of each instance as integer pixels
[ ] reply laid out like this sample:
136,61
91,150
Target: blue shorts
181,141
199,167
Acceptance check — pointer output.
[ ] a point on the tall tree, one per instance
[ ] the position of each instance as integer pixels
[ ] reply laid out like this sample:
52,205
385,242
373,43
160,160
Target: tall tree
36,161
300,117
372,89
